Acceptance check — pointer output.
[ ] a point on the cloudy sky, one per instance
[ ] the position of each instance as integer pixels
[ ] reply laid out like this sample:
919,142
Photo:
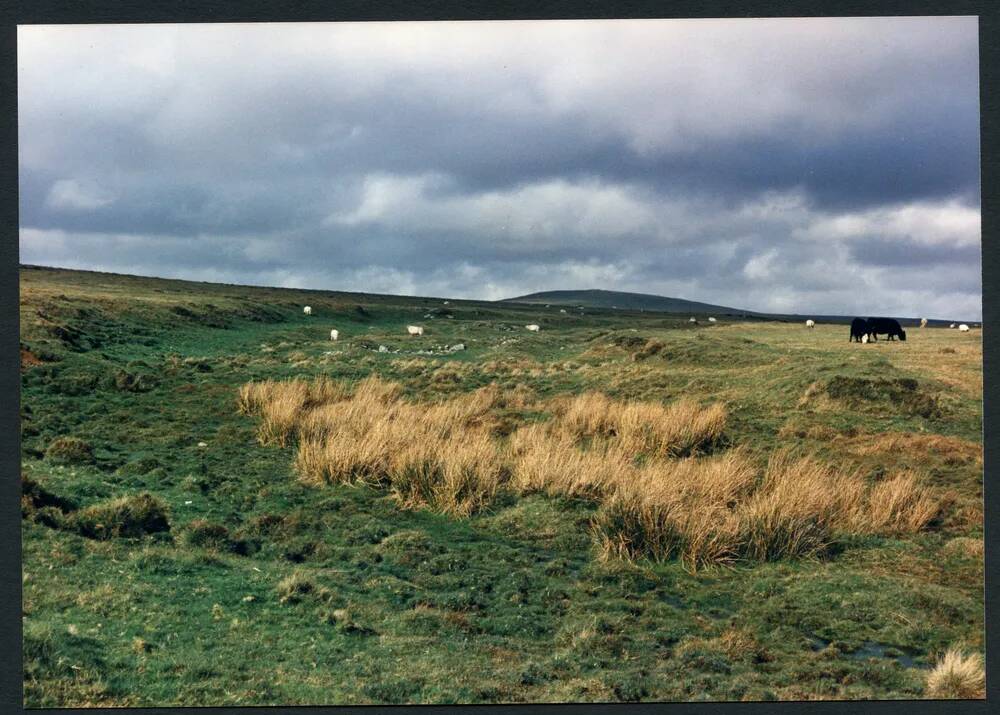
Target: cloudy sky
821,166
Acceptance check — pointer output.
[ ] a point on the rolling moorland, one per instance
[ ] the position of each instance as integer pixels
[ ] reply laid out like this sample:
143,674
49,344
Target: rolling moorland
222,506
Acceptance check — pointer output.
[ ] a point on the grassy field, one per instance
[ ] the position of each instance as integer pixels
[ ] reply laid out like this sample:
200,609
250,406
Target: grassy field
223,507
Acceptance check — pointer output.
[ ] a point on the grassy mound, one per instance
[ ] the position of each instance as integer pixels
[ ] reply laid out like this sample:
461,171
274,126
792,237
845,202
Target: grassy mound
128,516
70,450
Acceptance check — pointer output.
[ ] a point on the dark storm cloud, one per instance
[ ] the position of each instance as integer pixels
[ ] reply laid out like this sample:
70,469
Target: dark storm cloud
907,253
766,164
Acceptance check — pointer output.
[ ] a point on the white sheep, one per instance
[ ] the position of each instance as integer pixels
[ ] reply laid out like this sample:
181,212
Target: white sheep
810,323
414,330
562,310
533,328
308,310
923,322
712,320
952,325
692,320
963,328
864,338
334,334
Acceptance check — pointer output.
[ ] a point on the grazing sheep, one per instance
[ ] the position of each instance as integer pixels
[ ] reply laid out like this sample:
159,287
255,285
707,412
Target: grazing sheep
923,322
308,310
952,325
415,329
864,338
533,328
447,302
334,334
963,328
712,320
562,310
810,323
692,320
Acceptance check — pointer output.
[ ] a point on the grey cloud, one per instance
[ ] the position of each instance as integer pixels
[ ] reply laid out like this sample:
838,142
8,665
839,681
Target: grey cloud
555,148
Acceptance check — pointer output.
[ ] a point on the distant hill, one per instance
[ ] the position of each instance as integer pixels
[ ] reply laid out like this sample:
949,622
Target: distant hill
625,301
609,299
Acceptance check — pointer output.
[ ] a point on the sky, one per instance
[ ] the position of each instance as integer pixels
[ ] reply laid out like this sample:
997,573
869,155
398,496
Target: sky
826,166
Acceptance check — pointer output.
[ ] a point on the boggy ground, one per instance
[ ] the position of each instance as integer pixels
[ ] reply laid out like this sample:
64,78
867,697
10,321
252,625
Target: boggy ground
268,567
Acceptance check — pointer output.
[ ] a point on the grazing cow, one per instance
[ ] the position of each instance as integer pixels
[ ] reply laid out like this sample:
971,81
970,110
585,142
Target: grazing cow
963,328
334,334
533,328
889,326
414,330
859,329
810,323
307,310
923,322
712,320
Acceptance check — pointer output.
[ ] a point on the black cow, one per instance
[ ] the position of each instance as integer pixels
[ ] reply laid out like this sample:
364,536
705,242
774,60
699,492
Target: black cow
859,328
889,326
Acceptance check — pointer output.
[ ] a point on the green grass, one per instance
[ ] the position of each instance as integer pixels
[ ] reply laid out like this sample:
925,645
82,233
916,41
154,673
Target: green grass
264,591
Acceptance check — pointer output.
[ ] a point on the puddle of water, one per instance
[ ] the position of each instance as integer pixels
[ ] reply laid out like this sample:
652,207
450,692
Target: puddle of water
872,649
817,643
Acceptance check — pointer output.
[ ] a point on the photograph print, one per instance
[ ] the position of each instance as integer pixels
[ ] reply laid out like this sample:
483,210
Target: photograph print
475,362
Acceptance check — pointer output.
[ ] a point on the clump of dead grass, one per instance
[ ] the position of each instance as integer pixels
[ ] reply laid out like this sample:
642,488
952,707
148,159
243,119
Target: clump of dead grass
624,456
957,676
964,546
718,510
280,402
642,428
439,455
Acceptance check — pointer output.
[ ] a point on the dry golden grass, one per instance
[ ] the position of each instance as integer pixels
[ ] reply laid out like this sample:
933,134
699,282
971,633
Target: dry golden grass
952,449
622,455
281,402
642,428
717,510
897,506
957,676
551,463
439,455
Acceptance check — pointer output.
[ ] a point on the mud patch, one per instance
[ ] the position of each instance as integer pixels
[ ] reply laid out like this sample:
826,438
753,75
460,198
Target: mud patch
29,359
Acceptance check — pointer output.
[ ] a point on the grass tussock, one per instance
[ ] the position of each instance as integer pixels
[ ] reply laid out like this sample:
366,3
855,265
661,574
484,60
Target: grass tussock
642,428
713,509
280,402
718,510
70,450
957,676
440,455
128,516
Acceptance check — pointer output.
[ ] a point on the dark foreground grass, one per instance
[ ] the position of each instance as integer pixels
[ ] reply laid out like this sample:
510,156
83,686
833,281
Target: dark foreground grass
160,572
